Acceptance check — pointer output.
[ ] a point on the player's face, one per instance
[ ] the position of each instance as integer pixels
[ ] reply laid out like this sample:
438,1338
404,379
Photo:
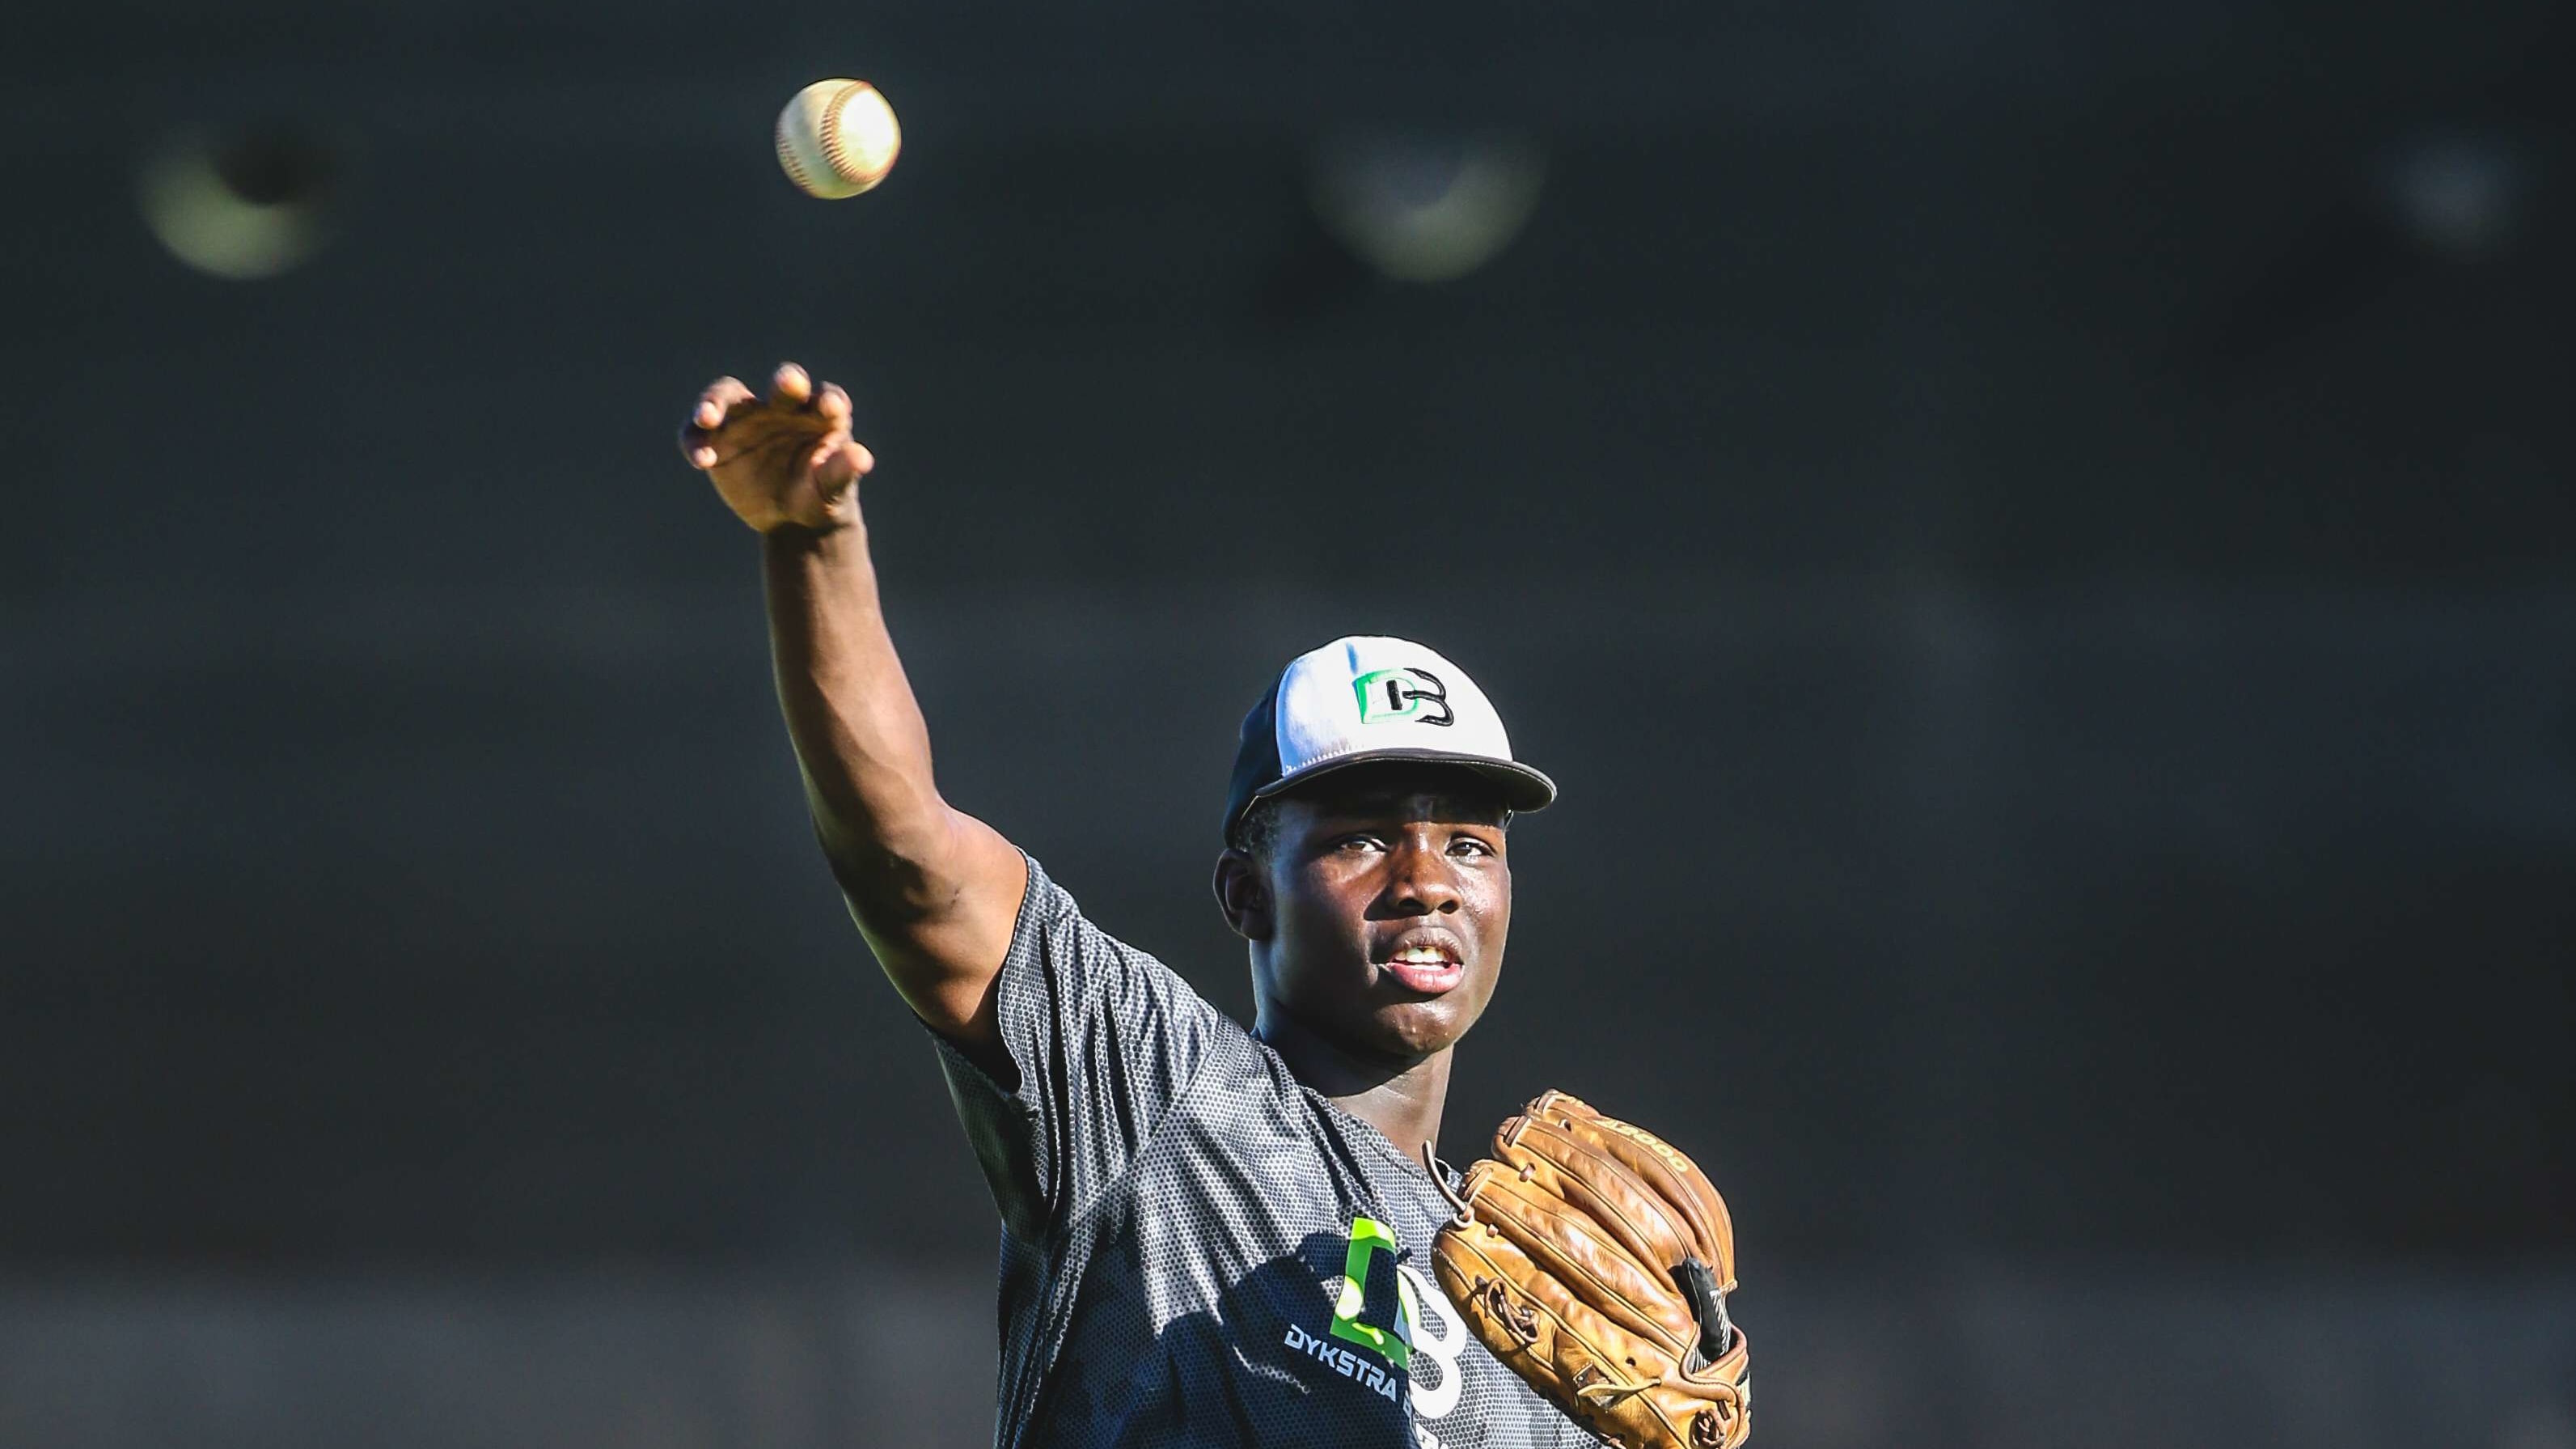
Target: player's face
1391,898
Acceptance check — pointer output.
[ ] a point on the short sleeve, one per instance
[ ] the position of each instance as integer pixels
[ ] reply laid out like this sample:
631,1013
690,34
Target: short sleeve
1104,1039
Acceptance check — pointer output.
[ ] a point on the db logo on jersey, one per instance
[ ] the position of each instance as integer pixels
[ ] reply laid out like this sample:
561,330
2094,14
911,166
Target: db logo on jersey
1414,694
1420,1341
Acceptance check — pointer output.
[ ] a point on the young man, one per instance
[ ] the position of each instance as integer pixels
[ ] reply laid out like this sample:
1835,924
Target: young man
1210,1236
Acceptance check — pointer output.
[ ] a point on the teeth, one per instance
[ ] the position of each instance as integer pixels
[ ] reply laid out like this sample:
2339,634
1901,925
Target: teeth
1421,956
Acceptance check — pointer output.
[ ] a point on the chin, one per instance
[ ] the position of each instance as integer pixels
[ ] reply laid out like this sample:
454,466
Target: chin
1420,1028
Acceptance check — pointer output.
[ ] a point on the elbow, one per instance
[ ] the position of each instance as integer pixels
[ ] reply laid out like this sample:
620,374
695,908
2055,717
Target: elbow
895,878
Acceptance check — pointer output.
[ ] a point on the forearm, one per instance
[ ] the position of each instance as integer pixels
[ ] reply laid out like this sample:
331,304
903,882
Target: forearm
858,731
936,892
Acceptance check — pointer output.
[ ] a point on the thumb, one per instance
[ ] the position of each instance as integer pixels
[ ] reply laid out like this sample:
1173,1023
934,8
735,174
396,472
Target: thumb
838,464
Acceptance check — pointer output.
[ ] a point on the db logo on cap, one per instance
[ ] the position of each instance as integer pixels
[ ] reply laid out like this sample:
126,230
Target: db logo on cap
1407,693
1305,726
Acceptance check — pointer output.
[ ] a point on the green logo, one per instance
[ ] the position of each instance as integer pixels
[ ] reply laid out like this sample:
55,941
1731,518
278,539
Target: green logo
1369,1238
1415,694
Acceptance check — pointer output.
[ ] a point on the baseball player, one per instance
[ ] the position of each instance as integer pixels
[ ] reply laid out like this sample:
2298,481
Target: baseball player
1211,1235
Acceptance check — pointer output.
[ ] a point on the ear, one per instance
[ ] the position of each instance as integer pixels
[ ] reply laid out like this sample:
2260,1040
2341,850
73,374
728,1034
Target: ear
1243,894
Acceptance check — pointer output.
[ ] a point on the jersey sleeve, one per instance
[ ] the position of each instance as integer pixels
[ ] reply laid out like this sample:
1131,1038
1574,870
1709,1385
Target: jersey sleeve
1102,1040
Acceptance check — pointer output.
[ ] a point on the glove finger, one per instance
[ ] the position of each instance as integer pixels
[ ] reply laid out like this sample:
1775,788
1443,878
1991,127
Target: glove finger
1659,1193
1557,1162
1571,1247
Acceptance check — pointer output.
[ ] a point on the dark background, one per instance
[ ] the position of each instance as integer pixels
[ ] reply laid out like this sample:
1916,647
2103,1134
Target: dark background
2042,568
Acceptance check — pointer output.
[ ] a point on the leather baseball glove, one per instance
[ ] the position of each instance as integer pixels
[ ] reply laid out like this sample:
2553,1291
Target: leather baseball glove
1595,1261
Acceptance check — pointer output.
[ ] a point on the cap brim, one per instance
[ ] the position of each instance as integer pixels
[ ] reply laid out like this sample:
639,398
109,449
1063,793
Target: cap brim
1523,788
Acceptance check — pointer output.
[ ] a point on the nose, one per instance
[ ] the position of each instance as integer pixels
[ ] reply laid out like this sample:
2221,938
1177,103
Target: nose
1422,882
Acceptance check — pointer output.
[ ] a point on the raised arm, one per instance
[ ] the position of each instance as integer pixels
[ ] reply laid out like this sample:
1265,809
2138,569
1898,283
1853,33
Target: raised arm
934,889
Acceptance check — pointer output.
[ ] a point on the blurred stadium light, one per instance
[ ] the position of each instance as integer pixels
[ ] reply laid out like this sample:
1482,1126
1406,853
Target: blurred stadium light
244,206
2458,194
1426,210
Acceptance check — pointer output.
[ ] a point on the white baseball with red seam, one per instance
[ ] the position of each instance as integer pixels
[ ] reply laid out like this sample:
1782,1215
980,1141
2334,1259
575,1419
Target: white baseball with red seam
837,138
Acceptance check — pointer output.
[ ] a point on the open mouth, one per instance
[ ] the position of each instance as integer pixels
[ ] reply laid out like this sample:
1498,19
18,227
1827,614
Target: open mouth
1427,962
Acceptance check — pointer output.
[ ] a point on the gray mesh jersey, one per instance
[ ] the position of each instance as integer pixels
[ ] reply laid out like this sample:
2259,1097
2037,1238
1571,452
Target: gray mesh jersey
1182,1224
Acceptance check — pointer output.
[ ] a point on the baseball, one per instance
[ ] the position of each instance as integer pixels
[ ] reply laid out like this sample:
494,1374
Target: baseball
837,138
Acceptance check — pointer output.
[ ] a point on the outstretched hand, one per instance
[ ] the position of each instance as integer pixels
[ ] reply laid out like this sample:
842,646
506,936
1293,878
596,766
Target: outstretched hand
787,460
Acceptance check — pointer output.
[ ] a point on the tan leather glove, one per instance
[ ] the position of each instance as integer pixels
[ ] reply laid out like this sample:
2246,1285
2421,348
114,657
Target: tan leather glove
1594,1261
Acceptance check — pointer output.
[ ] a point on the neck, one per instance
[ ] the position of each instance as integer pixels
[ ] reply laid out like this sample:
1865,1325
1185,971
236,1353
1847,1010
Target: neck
1400,1097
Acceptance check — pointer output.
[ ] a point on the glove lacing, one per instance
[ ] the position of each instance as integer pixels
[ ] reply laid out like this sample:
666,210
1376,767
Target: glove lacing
1464,1214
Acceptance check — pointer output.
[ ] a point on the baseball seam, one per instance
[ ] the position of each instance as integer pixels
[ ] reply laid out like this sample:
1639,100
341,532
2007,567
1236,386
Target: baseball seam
787,159
833,155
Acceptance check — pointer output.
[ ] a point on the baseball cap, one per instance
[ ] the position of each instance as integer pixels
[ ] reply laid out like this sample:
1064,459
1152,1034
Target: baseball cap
1365,698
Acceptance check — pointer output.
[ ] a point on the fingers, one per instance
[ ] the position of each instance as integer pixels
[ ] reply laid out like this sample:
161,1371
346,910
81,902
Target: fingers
719,400
837,464
721,396
795,405
790,386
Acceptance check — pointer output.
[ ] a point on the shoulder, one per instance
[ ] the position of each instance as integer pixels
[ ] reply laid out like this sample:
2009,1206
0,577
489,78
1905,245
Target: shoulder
1243,1100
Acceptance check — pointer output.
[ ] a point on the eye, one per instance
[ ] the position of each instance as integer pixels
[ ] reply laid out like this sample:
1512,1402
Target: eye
1358,843
1469,845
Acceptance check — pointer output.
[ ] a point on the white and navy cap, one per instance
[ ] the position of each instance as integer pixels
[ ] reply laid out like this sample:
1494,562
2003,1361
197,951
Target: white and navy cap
1370,698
